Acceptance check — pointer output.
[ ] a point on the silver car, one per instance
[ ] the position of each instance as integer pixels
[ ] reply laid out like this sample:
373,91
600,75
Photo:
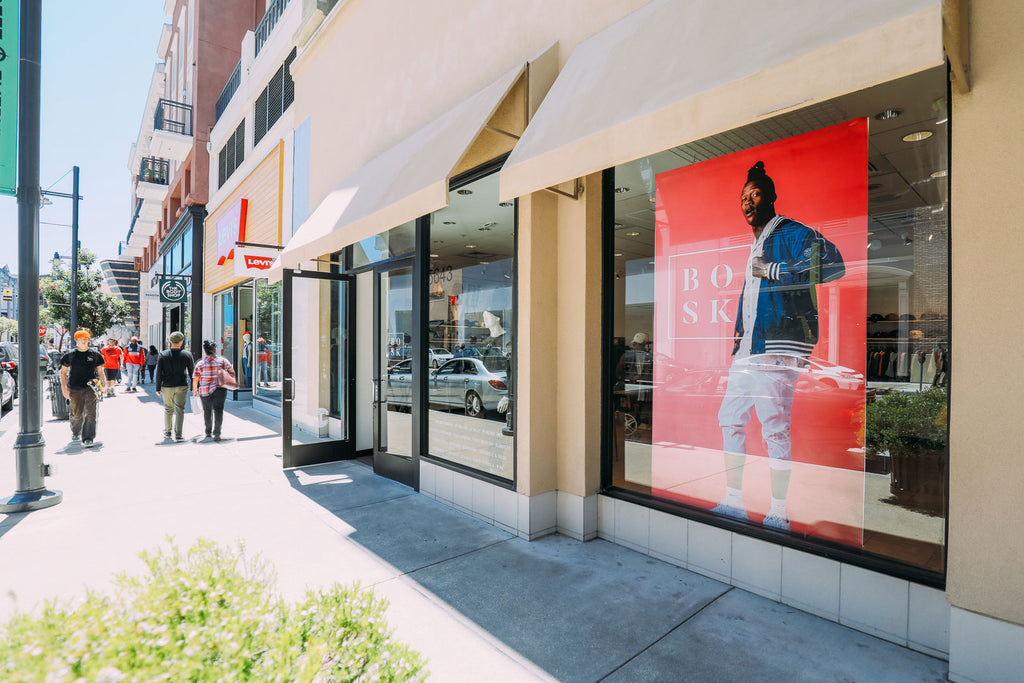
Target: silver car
8,386
475,385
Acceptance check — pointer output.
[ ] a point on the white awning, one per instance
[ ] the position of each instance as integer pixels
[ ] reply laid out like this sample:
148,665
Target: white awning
407,181
673,72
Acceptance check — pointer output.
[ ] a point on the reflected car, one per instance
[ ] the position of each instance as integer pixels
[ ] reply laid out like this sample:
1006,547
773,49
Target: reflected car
9,362
8,386
438,355
475,385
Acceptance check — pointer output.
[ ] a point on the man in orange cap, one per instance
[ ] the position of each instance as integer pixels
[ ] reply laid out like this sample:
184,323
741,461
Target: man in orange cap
78,368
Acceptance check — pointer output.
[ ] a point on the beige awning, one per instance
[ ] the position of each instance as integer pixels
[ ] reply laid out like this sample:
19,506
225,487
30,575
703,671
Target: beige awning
673,72
407,181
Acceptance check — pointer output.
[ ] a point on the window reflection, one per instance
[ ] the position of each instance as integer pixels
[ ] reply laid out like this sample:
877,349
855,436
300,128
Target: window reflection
831,421
267,376
470,322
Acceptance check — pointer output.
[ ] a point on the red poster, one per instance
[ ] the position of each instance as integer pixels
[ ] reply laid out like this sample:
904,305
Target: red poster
759,340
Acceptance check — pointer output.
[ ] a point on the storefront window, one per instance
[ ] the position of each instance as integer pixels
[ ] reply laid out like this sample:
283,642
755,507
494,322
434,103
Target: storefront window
471,320
780,336
395,242
224,320
247,350
266,380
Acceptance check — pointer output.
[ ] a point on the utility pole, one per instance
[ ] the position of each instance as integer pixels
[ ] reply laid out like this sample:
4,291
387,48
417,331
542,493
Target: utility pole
74,253
31,492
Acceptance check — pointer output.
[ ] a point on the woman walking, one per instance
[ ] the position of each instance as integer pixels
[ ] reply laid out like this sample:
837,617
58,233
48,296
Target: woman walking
207,385
151,359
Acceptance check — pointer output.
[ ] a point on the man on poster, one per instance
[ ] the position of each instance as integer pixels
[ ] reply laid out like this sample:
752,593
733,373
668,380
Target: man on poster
776,331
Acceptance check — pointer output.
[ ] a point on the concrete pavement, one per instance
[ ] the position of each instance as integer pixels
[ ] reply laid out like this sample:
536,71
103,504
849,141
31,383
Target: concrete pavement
479,603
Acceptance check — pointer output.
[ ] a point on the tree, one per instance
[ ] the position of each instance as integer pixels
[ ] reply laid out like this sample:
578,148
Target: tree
8,329
97,310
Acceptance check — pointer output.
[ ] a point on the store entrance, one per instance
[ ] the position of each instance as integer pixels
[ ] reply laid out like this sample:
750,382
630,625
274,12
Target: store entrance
317,408
394,441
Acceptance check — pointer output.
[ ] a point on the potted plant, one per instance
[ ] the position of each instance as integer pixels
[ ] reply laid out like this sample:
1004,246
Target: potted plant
912,428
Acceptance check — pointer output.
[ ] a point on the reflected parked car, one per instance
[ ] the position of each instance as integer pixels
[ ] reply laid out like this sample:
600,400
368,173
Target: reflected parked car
8,386
475,385
438,355
9,362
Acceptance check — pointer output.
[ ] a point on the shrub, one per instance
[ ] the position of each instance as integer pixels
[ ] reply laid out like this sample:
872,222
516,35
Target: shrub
902,420
206,614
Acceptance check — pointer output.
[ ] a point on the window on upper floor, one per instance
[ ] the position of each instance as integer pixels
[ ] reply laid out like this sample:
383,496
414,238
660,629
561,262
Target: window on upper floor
274,100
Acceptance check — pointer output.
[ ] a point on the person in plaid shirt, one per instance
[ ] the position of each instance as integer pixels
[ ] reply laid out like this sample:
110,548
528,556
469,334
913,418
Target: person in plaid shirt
205,386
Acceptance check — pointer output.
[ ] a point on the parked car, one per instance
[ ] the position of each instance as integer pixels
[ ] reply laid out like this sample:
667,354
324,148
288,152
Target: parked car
475,385
438,355
9,361
9,387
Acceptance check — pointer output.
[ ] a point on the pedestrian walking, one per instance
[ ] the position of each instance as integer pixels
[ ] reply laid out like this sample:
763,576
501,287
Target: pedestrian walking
113,357
151,358
134,363
77,369
173,369
207,385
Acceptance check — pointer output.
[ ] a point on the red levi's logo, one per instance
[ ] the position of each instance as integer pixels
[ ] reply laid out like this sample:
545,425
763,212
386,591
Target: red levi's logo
258,262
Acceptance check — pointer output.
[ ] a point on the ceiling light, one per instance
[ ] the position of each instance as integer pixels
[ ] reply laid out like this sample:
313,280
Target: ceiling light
506,205
633,234
917,136
470,246
464,191
942,121
449,222
435,256
621,190
939,174
888,114
484,263
618,253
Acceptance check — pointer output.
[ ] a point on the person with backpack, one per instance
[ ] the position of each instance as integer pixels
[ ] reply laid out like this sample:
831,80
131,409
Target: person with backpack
134,362
207,384
173,369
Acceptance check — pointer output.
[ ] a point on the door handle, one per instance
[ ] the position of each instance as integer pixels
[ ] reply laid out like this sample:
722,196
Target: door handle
288,389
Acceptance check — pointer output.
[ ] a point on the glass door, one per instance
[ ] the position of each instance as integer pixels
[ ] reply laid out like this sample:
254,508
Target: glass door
317,410
394,452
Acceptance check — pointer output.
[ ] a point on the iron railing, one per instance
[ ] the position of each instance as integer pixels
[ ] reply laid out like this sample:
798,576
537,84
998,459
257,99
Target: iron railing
153,170
229,90
173,117
269,20
135,217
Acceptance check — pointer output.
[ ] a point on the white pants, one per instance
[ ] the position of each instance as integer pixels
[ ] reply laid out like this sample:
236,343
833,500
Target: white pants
764,384
133,374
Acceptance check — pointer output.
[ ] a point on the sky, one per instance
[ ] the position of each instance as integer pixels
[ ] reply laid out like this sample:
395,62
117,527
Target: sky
96,66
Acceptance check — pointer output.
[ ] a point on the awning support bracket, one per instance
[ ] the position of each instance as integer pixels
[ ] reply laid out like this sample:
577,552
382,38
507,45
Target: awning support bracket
577,190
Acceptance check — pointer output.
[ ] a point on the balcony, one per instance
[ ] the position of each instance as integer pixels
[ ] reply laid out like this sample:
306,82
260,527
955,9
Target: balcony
274,11
172,130
229,90
153,176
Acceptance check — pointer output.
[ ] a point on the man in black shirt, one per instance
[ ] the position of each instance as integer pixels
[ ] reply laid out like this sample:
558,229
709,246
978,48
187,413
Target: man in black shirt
78,368
173,375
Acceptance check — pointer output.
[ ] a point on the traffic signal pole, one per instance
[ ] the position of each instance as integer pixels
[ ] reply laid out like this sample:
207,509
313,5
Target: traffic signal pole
31,492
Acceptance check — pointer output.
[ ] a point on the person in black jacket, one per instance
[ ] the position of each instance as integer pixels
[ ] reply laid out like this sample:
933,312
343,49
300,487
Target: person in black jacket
173,372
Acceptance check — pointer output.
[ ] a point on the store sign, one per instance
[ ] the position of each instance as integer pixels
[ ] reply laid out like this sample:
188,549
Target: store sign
254,261
151,294
736,318
231,229
173,290
9,58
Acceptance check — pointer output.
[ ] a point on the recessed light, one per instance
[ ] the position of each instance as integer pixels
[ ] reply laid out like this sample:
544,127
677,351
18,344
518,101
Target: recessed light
942,121
621,190
449,222
939,174
464,191
435,256
633,234
506,205
618,253
470,246
917,136
484,263
888,114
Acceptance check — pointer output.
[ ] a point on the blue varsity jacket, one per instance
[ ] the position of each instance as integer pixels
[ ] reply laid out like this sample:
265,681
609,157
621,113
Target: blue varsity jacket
798,258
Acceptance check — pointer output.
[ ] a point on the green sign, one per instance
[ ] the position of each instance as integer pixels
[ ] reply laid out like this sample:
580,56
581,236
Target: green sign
9,26
173,290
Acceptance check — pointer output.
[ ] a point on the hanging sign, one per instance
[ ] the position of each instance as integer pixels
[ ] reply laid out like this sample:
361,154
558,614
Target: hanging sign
254,261
173,290
9,57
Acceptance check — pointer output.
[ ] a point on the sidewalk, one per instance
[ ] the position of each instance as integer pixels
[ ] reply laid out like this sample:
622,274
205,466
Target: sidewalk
479,603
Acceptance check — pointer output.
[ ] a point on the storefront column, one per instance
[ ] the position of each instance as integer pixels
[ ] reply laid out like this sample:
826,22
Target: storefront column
986,432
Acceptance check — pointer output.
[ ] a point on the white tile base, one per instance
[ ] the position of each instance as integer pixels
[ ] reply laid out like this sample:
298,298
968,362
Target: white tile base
984,649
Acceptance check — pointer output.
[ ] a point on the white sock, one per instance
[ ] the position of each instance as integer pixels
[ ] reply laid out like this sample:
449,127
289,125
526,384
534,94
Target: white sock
778,507
733,497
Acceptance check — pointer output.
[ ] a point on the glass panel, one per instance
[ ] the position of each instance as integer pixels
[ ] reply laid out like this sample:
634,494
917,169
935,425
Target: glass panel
394,432
317,340
394,242
249,343
227,324
186,252
471,318
267,380
780,334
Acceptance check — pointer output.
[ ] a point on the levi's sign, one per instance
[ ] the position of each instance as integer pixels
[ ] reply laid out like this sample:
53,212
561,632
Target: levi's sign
254,261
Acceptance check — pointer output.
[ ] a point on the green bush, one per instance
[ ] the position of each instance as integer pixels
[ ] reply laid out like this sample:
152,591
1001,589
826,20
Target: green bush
206,614
905,419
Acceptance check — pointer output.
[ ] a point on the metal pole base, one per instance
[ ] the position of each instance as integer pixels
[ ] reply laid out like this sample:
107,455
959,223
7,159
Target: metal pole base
26,502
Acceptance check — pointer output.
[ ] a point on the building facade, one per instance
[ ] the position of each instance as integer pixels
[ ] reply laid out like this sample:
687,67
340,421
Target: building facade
705,287
170,161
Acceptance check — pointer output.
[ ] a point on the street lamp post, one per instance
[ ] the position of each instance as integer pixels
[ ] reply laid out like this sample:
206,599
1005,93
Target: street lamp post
31,492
